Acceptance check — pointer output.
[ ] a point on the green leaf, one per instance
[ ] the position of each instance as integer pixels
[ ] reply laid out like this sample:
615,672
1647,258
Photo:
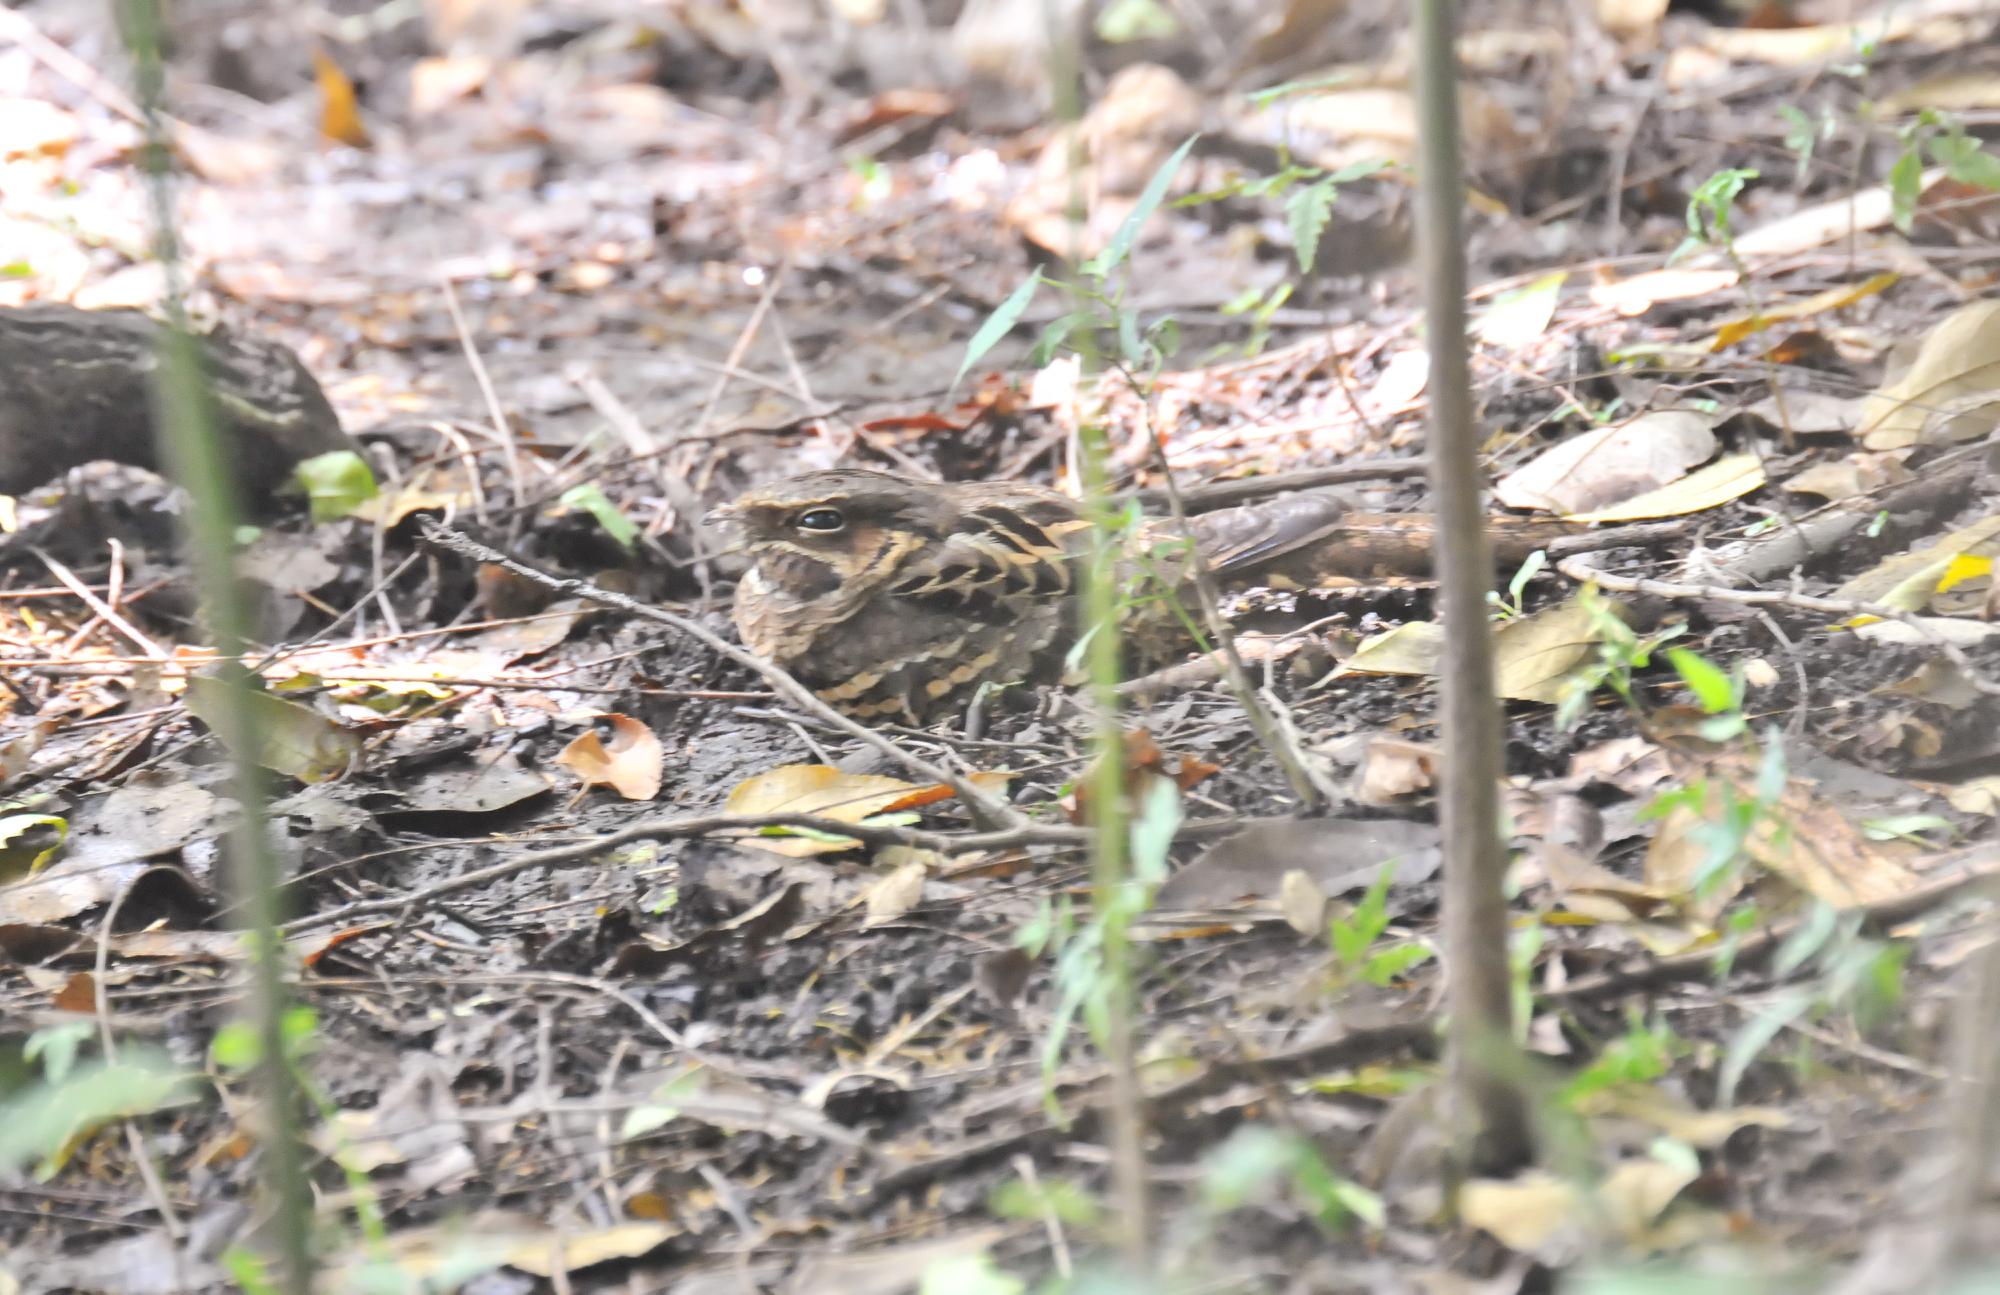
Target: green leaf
1906,182
1965,161
1056,332
1329,81
1120,247
48,1122
997,325
590,497
57,1046
335,483
1711,687
1800,133
1124,21
1306,215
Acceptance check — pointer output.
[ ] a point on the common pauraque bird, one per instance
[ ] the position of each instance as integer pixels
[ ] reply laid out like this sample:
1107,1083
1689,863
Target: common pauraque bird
893,598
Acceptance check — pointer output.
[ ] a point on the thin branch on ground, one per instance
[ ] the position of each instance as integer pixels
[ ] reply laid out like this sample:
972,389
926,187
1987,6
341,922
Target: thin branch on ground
982,806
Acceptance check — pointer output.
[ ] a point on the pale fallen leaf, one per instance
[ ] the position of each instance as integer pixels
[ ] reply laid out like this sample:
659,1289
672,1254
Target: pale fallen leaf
1608,465
895,894
291,738
1976,795
632,763
1673,1116
1641,292
29,126
1302,903
1844,478
1517,318
1412,648
1805,411
1630,17
1728,478
1803,838
1960,358
1946,92
1823,223
1393,768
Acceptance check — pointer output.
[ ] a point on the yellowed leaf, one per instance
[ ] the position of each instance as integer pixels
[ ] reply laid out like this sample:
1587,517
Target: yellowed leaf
1735,330
1411,648
1533,655
1907,580
816,789
1730,477
339,109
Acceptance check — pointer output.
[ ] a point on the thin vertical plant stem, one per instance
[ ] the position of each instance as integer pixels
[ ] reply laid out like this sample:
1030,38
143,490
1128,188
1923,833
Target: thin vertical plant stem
1110,866
1488,1102
189,445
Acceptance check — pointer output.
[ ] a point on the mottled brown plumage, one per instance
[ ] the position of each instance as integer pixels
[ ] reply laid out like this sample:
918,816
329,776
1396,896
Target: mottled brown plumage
894,598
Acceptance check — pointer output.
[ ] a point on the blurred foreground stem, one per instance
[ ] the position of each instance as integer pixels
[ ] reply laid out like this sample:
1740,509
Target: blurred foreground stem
195,459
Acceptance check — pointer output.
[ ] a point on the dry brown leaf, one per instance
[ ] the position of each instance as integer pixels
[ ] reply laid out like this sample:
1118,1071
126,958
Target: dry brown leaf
632,763
1804,839
1609,465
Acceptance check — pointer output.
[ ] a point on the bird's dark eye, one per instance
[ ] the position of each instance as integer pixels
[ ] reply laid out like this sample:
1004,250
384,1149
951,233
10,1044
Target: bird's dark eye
824,520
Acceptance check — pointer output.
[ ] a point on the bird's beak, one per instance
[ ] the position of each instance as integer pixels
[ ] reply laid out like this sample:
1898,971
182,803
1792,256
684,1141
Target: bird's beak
727,522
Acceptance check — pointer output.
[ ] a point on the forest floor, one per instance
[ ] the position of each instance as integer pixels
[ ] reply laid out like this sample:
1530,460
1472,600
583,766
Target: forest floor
570,279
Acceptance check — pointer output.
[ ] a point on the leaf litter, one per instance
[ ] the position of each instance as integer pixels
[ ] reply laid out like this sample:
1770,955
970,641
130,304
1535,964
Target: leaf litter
877,1001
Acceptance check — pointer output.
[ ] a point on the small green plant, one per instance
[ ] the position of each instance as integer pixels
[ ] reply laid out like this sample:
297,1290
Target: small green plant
1257,1161
1803,134
1719,693
1084,987
1641,1055
1510,607
1855,973
1731,818
1943,137
1621,653
1711,210
1354,937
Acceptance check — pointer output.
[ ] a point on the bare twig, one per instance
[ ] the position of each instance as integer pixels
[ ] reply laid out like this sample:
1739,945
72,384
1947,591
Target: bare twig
1581,571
